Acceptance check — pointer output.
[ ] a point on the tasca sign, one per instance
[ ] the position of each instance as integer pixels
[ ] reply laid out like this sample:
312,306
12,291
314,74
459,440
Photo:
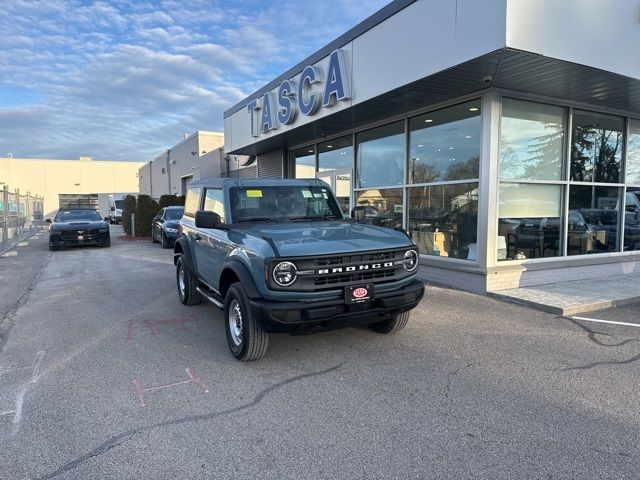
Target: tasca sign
304,96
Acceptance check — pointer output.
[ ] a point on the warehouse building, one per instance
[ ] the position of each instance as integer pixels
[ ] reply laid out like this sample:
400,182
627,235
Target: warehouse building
82,183
503,135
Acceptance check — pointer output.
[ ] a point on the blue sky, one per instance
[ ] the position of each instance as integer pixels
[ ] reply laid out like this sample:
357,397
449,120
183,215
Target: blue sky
123,80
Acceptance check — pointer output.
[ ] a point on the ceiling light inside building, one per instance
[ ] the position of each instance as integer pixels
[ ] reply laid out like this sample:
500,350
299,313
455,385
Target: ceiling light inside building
329,146
428,120
474,109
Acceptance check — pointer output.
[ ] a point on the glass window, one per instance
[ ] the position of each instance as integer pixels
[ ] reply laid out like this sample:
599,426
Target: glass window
633,152
381,156
213,202
593,219
192,202
383,207
445,144
335,154
531,140
632,219
596,148
304,162
443,219
529,221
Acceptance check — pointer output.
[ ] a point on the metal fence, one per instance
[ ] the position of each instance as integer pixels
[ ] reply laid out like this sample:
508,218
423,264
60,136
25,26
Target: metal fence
20,215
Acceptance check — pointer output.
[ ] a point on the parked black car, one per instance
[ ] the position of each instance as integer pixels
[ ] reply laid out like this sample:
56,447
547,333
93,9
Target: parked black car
165,226
78,227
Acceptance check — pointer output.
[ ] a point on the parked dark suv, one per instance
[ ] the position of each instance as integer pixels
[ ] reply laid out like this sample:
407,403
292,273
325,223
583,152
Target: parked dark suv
278,256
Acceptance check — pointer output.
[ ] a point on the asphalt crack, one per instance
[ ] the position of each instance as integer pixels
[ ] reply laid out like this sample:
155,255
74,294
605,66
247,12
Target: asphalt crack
447,389
129,434
591,334
6,322
588,366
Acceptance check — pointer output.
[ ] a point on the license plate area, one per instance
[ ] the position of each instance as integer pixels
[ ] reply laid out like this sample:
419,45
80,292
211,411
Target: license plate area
357,294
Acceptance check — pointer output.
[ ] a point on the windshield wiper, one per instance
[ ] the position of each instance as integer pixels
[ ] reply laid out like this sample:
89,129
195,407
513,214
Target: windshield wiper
314,217
257,219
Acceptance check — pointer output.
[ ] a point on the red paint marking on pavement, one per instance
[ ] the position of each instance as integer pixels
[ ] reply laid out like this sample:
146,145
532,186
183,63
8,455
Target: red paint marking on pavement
149,325
193,378
152,326
130,329
139,392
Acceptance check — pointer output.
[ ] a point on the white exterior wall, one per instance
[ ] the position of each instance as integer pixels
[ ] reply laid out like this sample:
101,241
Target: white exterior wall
599,33
422,39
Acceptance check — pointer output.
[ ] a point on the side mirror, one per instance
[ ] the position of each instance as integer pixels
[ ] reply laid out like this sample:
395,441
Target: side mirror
358,213
48,220
207,219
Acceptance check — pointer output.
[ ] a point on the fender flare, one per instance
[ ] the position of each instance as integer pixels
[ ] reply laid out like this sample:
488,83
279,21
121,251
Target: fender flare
186,252
243,274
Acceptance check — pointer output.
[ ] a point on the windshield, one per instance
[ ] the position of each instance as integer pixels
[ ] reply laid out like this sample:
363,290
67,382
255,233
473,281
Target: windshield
77,216
173,213
118,204
282,203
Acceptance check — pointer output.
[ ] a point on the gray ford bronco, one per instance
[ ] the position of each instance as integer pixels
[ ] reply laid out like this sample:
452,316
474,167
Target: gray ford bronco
279,256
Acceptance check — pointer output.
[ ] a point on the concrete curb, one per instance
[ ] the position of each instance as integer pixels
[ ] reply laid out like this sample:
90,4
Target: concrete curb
569,310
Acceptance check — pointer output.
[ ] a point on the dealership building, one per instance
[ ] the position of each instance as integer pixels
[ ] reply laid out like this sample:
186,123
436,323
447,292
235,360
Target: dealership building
503,135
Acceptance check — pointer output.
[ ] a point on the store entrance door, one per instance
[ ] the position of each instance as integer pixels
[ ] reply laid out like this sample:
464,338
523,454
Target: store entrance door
340,182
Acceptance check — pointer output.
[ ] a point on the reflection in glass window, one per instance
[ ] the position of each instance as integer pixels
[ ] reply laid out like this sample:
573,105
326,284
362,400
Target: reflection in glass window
443,219
531,140
304,161
213,202
335,154
445,144
381,156
633,153
593,219
596,148
632,219
383,207
529,221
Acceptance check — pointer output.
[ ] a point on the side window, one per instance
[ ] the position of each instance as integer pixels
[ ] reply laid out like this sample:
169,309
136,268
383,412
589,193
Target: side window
213,202
192,202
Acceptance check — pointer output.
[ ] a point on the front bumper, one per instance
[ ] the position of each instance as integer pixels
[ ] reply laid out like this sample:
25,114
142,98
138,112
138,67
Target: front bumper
299,317
68,240
171,237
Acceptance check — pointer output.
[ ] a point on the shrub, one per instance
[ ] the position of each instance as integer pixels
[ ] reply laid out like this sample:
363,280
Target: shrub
170,200
129,207
146,209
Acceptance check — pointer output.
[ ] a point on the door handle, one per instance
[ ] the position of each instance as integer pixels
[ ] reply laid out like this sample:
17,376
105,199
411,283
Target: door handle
197,237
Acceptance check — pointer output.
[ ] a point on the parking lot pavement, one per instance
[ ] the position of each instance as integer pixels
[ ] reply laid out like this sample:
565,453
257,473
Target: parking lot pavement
106,375
629,313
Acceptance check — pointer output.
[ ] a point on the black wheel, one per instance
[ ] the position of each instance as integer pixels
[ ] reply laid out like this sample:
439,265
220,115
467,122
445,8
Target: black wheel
187,284
247,340
165,242
52,248
153,236
107,244
393,325
110,221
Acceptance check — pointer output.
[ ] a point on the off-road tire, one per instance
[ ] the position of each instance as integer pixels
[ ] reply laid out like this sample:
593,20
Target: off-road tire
253,341
165,242
187,293
393,325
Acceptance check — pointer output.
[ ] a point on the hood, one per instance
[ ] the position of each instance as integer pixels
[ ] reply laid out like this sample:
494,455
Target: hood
77,225
171,224
328,237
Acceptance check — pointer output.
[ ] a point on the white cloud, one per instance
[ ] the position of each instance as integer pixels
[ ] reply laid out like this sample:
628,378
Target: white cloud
124,80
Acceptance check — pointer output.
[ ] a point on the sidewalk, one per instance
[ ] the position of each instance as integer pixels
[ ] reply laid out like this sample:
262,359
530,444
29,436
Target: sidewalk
578,296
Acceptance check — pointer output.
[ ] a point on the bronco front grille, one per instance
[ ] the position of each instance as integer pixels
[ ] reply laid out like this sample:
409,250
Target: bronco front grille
336,271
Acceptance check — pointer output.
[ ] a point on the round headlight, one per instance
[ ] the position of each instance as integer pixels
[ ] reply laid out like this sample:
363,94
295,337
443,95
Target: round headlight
285,273
410,260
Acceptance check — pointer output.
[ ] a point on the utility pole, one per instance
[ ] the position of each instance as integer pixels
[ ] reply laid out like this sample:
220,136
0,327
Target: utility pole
5,214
